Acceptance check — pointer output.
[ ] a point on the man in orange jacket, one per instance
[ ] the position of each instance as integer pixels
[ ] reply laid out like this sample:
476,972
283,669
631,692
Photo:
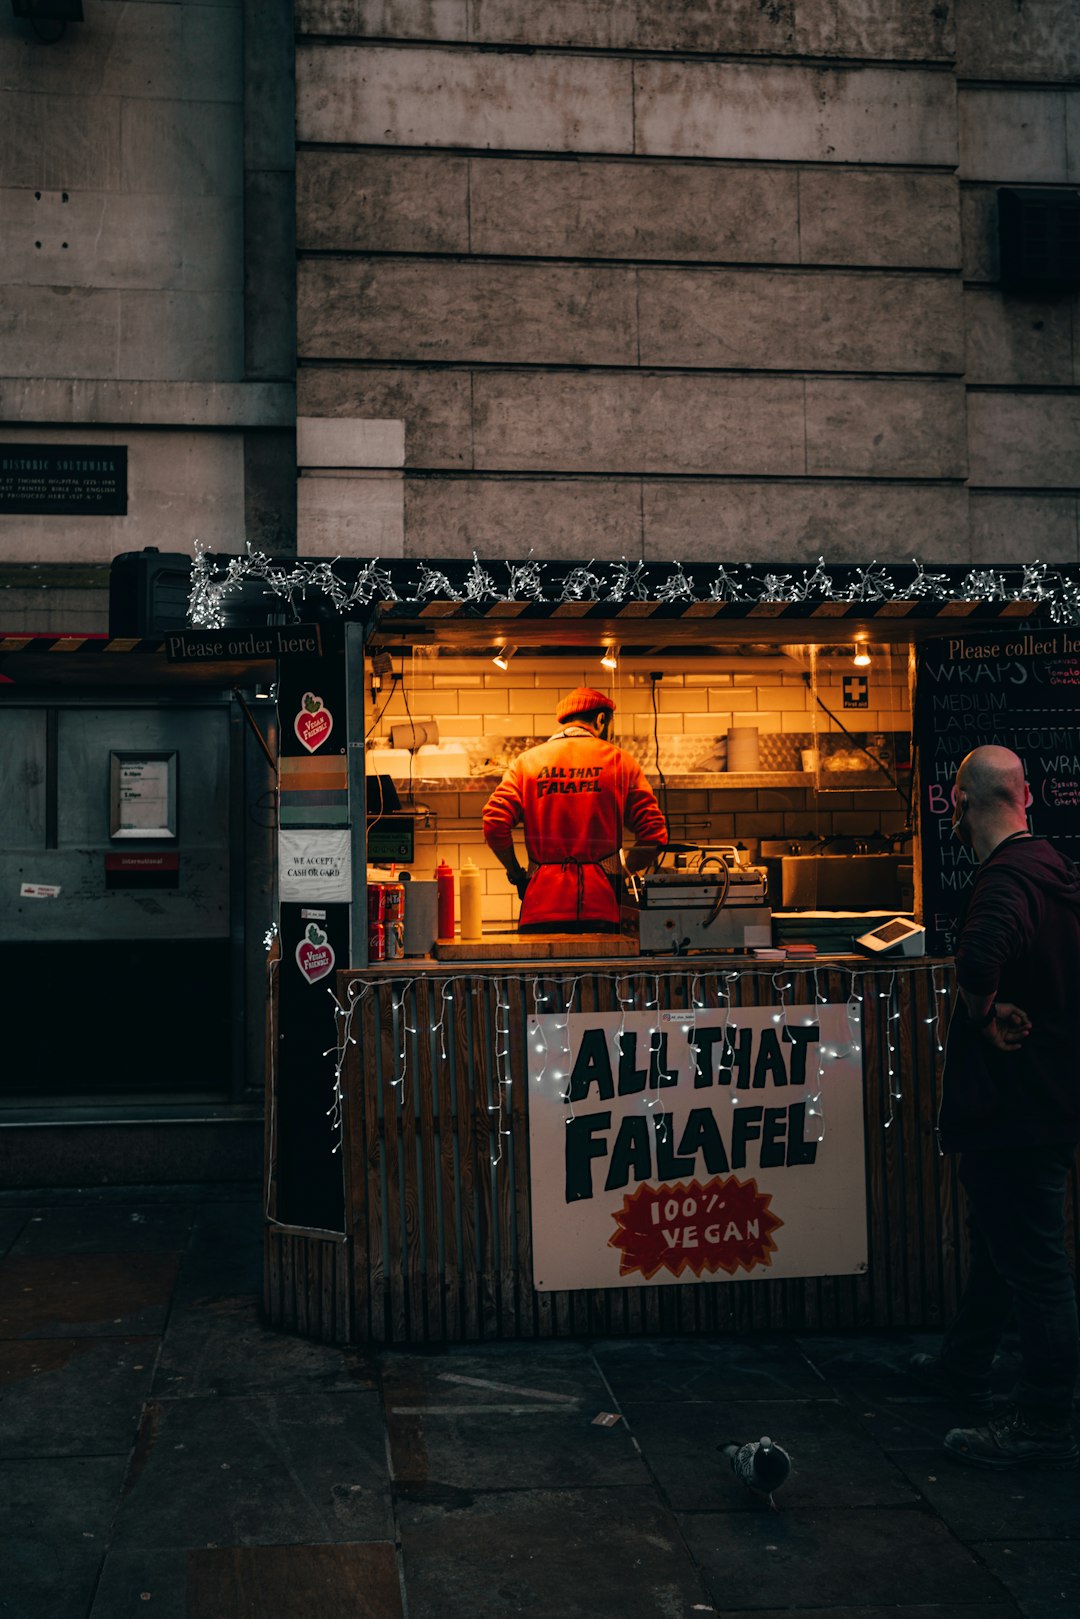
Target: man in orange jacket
574,793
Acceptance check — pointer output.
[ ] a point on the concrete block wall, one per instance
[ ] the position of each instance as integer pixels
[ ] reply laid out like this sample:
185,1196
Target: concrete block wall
475,703
146,280
707,280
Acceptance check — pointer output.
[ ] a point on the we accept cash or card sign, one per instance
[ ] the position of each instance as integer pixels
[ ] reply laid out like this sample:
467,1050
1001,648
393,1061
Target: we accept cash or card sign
696,1146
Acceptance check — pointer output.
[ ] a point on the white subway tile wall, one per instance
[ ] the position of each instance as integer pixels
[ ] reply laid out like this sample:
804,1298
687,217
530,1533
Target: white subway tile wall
476,703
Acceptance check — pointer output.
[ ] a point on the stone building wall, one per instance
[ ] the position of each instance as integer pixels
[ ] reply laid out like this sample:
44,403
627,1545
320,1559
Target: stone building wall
146,284
707,279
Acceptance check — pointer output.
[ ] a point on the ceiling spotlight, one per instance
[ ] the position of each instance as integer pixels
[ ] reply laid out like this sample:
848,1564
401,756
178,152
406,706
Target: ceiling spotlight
861,660
610,659
503,656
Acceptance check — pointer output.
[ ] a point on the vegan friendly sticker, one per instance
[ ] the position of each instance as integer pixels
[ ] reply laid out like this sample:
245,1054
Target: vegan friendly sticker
314,722
315,953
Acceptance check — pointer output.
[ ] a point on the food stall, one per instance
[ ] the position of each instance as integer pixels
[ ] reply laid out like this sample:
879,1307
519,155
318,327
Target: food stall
715,1113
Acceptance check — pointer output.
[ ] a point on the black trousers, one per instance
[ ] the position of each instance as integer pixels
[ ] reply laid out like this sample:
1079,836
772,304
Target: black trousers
1019,1272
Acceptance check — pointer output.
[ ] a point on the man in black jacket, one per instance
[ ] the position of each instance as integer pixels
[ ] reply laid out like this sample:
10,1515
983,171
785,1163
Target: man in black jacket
1011,1109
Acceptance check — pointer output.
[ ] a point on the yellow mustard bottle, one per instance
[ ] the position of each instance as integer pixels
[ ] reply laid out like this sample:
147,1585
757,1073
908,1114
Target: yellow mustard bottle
471,927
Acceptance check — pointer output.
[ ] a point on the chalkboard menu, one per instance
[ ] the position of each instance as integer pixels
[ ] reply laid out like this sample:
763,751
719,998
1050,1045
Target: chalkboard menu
1017,689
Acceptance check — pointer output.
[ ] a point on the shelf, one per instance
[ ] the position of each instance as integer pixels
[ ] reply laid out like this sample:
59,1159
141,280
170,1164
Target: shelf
829,781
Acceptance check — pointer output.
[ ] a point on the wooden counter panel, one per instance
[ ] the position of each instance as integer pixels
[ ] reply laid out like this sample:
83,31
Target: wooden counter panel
441,1225
517,947
439,1240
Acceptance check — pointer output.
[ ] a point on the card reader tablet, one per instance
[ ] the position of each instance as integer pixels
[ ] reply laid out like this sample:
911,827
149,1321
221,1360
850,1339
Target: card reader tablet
898,937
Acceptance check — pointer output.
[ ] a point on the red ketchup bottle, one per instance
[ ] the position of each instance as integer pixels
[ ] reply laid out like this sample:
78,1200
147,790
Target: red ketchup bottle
444,876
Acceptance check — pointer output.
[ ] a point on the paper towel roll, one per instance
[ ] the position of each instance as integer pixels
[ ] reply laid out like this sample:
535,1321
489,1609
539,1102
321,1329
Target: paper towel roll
421,918
742,748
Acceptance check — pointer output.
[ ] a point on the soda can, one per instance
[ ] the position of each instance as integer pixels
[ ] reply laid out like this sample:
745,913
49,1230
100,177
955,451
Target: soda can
376,941
394,934
376,902
394,902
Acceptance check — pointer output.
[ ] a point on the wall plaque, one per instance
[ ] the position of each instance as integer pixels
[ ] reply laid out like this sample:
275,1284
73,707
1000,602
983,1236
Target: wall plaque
63,480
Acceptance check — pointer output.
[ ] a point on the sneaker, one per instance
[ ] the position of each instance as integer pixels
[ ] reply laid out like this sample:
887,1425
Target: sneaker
941,1382
1014,1440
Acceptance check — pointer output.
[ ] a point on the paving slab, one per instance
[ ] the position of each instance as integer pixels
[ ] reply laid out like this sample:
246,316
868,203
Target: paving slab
478,1374
1043,1576
142,1582
562,1554
220,1346
525,1419
900,1426
225,1255
933,1610
1024,1504
76,1295
12,1221
294,1582
193,1192
875,1364
237,1582
55,1526
833,1462
870,1375
110,1229
262,1470
731,1369
868,1556
73,1396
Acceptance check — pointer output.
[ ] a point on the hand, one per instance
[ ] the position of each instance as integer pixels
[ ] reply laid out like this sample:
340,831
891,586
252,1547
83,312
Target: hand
1009,1027
519,877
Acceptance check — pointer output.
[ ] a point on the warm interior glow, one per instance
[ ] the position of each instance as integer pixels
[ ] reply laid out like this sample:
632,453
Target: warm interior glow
503,656
610,659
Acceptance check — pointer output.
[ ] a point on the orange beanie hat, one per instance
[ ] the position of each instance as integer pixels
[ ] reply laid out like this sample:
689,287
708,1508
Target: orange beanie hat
585,700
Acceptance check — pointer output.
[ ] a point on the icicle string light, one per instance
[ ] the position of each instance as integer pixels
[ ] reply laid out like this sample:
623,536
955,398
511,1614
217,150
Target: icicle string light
552,1008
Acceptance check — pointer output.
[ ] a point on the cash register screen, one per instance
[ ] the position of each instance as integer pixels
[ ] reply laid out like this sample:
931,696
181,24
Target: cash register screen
891,931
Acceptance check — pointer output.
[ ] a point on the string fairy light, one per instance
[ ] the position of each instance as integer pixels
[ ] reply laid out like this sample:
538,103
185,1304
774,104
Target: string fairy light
541,1045
938,992
696,1006
892,1015
660,1120
729,1023
349,584
343,1021
446,999
503,1081
548,1031
399,1019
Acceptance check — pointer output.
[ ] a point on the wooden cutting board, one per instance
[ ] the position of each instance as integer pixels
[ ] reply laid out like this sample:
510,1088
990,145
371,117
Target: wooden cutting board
536,947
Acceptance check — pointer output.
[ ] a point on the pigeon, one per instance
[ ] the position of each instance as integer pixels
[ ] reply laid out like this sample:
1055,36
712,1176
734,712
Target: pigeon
761,1465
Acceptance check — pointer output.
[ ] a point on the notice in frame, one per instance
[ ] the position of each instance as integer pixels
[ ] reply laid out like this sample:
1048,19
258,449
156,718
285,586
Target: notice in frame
314,866
672,1146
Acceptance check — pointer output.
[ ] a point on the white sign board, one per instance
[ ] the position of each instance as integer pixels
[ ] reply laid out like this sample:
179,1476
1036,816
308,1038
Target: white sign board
142,795
314,866
684,1146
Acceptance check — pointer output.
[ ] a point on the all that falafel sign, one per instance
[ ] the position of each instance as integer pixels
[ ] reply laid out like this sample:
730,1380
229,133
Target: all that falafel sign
698,1146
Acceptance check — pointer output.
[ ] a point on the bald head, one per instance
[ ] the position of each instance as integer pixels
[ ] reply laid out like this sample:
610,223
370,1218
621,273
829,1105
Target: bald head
993,779
991,799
